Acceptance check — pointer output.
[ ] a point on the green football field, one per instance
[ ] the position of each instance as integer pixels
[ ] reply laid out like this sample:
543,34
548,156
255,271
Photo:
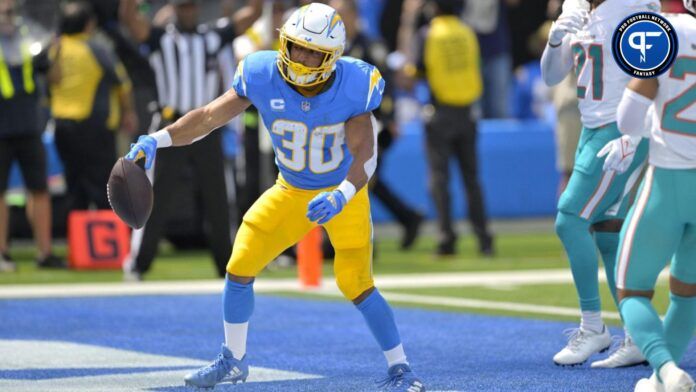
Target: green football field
535,256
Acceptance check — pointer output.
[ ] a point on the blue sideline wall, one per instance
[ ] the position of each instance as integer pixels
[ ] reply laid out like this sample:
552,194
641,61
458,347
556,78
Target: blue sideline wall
517,171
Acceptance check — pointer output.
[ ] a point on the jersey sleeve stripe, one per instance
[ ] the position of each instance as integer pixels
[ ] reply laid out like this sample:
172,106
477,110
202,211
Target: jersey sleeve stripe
240,72
375,77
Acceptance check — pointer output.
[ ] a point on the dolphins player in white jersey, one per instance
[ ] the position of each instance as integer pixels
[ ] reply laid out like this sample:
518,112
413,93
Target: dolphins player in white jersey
662,223
593,205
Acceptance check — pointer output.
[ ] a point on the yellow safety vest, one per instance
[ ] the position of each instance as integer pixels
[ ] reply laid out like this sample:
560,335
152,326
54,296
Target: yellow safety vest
6,87
452,62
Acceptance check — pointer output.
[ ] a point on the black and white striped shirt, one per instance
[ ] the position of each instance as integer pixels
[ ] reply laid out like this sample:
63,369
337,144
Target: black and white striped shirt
186,65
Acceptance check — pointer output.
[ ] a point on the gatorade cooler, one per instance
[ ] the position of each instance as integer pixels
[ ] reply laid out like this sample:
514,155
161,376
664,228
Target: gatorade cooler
97,240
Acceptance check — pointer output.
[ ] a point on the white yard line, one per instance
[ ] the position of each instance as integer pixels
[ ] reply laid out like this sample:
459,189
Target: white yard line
137,371
501,279
471,303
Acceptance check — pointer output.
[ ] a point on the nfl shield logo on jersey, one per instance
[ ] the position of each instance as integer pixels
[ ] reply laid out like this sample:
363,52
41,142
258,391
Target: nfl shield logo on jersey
305,106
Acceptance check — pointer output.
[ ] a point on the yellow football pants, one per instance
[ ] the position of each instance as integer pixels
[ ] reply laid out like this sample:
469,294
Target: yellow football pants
277,220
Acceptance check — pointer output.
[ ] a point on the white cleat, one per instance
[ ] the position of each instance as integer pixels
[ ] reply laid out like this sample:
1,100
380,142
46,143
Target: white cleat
628,354
678,380
7,266
651,384
581,345
6,263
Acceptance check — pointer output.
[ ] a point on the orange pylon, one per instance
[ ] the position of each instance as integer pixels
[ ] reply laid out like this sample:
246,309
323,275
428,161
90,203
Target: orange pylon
310,258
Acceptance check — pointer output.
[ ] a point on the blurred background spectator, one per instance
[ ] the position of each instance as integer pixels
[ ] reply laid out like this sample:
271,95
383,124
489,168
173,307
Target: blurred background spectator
489,20
89,102
448,56
374,51
565,102
22,59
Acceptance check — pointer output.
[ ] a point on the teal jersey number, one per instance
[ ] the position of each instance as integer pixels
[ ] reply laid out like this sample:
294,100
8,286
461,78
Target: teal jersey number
596,56
670,112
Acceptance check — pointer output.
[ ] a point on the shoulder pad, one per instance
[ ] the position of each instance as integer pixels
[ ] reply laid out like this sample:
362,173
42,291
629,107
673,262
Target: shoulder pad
259,67
363,81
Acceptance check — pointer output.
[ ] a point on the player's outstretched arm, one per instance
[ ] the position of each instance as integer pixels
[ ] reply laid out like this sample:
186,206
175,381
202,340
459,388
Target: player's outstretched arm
361,139
137,24
634,119
198,123
556,62
632,115
557,59
245,17
195,125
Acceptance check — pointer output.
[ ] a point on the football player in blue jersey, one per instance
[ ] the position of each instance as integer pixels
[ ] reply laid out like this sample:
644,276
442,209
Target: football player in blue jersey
317,107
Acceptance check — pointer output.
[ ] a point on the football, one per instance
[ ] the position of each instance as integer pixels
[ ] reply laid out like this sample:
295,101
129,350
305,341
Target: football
130,193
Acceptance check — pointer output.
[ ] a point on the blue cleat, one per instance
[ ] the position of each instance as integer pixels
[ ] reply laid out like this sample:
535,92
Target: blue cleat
224,365
401,378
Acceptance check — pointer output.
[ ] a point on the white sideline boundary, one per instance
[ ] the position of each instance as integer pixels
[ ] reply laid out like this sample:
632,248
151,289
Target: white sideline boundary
472,303
137,371
503,279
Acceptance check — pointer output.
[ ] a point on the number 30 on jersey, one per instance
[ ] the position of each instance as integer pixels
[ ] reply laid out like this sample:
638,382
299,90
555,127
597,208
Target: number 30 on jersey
294,139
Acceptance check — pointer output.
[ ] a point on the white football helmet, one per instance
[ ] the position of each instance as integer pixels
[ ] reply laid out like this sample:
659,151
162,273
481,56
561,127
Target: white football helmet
317,27
690,5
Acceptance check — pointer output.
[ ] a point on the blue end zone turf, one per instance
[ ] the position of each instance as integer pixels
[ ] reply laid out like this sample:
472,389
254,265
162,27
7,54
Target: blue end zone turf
450,351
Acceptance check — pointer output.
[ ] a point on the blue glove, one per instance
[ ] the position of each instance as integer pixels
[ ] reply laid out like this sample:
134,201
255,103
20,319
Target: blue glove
145,147
325,206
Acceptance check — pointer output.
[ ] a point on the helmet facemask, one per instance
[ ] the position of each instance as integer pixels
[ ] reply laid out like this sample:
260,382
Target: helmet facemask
300,74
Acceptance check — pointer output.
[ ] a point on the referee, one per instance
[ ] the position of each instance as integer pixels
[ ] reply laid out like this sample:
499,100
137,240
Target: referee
184,58
448,55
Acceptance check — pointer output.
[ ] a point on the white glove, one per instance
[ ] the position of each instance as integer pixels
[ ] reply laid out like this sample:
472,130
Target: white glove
620,153
570,21
576,4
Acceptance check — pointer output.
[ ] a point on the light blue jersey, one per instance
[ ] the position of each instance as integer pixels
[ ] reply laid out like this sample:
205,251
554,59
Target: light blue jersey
308,133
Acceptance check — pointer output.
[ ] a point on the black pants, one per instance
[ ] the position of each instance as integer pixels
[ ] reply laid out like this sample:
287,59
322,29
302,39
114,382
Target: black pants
251,169
205,159
401,211
451,132
30,153
88,152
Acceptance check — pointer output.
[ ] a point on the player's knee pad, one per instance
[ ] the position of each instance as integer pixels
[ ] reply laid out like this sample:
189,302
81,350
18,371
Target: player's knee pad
351,285
569,225
353,270
232,269
353,281
247,259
